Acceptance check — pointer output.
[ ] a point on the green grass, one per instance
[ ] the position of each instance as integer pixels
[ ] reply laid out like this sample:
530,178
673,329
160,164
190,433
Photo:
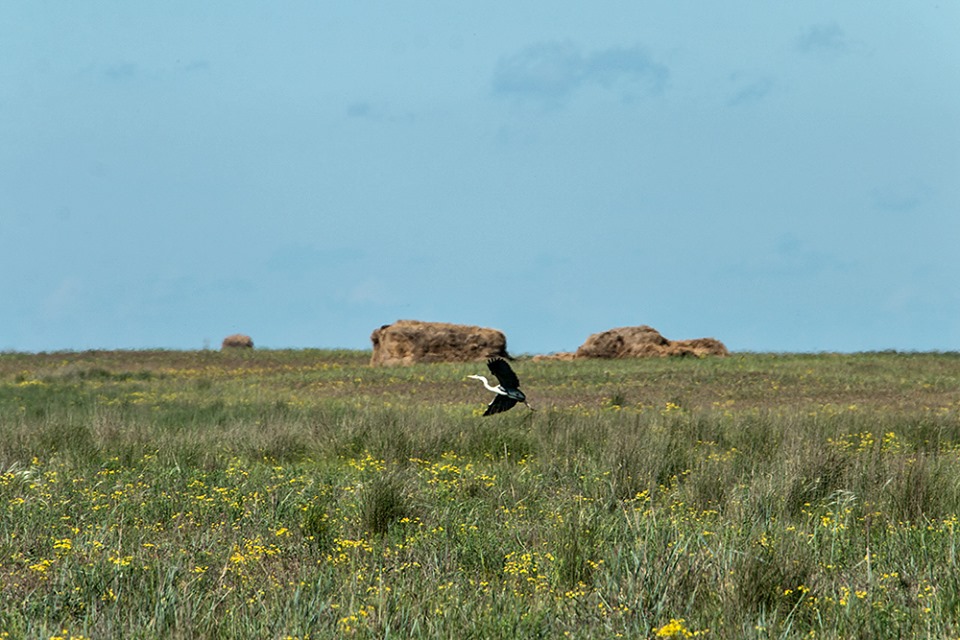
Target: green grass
303,494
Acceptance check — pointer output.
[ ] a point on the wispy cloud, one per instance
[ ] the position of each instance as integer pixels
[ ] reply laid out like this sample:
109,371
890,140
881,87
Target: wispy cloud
194,66
359,110
789,258
64,299
299,258
121,72
549,73
128,73
370,290
823,38
899,199
749,90
378,112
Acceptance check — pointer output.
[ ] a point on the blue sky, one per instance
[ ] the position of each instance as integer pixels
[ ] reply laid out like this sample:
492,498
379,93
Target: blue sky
780,176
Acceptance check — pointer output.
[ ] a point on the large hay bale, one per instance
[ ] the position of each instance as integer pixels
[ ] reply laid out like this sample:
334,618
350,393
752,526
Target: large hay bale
645,342
237,340
407,342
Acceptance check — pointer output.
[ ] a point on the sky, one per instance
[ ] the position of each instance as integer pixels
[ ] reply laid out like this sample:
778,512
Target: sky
781,176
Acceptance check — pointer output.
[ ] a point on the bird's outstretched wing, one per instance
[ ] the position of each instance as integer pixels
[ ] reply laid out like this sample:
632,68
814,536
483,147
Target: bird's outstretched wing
500,403
505,375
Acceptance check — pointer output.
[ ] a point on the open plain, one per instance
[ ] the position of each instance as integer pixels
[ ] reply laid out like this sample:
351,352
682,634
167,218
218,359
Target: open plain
305,494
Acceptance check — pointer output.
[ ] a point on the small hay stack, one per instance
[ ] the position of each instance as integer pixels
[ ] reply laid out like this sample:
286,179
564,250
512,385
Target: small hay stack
237,341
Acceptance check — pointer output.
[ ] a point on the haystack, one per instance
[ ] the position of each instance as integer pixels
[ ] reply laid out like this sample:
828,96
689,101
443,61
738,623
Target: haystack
237,340
645,342
407,342
561,356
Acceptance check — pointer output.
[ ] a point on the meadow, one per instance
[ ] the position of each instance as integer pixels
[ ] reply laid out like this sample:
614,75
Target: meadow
303,494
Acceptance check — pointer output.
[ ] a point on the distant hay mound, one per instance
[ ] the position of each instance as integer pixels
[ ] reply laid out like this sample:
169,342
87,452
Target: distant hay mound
562,356
237,340
645,342
625,342
407,342
698,347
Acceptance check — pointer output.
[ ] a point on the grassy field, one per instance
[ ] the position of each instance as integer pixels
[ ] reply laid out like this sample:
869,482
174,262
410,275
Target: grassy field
303,494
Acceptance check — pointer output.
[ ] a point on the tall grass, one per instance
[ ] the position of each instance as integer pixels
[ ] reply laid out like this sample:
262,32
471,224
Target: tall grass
304,494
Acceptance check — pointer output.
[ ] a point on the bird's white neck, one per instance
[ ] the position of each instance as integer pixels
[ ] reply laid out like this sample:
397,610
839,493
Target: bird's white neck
487,384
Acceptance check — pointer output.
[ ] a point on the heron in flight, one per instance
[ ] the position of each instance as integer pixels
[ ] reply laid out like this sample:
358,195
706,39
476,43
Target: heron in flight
508,391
